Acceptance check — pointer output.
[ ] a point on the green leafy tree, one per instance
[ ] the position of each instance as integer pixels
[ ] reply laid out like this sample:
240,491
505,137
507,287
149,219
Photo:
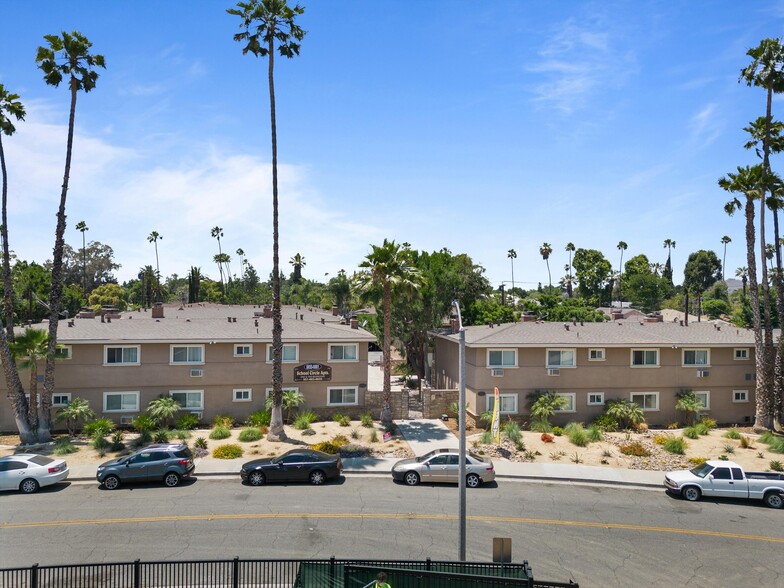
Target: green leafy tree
265,24
340,291
92,266
78,409
593,274
66,57
109,295
690,404
703,270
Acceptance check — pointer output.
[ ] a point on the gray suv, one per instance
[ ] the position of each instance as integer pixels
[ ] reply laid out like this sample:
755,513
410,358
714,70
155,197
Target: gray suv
166,462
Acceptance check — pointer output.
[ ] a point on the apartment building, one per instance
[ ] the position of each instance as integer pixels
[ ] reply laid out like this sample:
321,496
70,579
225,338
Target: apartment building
214,359
648,363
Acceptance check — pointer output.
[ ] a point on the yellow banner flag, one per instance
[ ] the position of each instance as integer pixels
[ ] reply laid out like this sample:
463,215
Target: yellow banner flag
496,426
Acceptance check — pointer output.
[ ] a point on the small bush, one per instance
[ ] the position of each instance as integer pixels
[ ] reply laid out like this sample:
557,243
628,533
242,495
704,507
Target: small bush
200,443
366,420
776,466
117,441
746,443
556,455
661,438
530,455
702,428
724,458
355,434
352,450
223,420
249,434
708,422
161,436
729,448
100,443
373,435
512,431
571,427
547,438
340,440
541,426
595,434
220,432
187,422
181,434
345,421
641,427
761,454
691,433
390,428
606,423
558,431
63,446
327,447
672,426
767,438
487,438
143,424
777,445
606,452
578,436
259,418
302,422
228,451
635,448
99,427
576,458
676,445
695,461
144,438
336,417
520,446
733,434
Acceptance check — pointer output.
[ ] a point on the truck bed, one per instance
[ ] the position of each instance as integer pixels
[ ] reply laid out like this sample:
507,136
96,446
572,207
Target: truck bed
764,476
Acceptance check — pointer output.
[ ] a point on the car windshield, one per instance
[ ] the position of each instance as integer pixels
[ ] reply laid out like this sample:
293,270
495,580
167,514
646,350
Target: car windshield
40,460
701,470
427,455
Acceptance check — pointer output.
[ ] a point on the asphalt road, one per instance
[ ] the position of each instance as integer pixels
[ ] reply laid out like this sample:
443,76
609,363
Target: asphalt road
599,536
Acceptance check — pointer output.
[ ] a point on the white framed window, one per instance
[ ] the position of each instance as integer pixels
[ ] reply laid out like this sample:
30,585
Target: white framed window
186,354
571,401
120,402
696,357
595,398
558,358
645,358
741,353
122,355
645,400
343,352
344,396
60,399
501,358
290,352
242,395
268,391
740,395
507,403
243,350
704,398
63,352
189,399
596,354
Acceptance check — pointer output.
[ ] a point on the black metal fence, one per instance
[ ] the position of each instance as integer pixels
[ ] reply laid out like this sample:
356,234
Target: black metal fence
269,573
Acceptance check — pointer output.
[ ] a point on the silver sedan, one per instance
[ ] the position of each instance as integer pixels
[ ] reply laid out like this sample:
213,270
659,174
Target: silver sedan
442,465
27,472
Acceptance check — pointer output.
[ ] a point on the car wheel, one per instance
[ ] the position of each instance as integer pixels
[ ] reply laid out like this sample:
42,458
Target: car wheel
257,479
691,493
412,478
171,479
774,500
111,482
473,481
317,477
29,486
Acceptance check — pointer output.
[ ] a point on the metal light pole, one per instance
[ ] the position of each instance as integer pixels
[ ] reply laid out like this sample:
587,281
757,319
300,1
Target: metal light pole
461,483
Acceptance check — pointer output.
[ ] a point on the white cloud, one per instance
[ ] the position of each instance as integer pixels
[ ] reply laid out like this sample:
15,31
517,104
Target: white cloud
705,126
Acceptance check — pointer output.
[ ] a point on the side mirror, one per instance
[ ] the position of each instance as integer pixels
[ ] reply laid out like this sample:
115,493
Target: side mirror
710,476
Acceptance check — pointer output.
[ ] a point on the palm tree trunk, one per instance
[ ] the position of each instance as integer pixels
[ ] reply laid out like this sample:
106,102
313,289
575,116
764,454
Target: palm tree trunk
549,276
276,431
27,434
84,263
55,298
32,407
386,406
8,299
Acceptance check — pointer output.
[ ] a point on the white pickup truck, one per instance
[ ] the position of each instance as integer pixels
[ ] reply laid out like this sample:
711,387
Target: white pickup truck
726,479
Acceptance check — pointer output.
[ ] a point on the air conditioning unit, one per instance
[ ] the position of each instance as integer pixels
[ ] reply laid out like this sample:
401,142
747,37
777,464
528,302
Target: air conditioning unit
126,420
553,372
197,373
197,413
497,372
703,373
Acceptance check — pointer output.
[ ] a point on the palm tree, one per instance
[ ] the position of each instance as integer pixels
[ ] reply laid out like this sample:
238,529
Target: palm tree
67,56
690,404
545,250
298,262
220,259
386,268
657,268
163,409
9,107
82,226
570,281
743,274
669,244
725,240
194,283
263,23
622,246
243,261
770,253
217,233
28,349
512,255
153,238
76,410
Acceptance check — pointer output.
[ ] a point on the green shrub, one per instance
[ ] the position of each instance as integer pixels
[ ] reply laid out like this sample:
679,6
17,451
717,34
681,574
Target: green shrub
340,440
99,427
571,428
512,431
161,436
724,458
63,446
259,418
487,438
187,422
777,446
691,433
117,441
635,448
541,426
327,447
143,424
729,448
676,445
595,434
220,432
558,431
200,443
223,420
228,451
661,438
100,443
776,466
366,420
767,438
180,434
578,436
695,461
708,422
337,417
733,434
345,421
373,435
304,419
606,423
250,434
390,428
702,428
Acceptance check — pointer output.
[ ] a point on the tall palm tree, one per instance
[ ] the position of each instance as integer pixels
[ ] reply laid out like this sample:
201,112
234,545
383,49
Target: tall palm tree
67,56
386,268
725,240
669,244
243,261
570,249
545,250
770,253
83,228
9,107
28,349
657,268
217,233
512,255
220,259
743,274
622,246
265,22
298,262
153,238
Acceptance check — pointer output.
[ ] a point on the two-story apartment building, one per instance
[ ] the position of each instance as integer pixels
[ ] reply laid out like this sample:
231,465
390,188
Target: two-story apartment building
212,359
648,363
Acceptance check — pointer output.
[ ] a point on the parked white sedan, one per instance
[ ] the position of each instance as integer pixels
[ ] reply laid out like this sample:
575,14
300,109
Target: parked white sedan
27,472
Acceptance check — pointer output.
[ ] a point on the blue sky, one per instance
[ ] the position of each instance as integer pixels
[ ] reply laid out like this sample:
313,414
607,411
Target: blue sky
478,127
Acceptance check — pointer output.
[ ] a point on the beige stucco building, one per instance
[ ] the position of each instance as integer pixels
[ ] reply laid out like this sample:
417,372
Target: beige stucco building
213,359
647,363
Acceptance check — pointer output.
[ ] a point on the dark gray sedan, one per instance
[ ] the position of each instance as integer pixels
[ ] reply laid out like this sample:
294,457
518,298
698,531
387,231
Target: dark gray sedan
443,465
297,465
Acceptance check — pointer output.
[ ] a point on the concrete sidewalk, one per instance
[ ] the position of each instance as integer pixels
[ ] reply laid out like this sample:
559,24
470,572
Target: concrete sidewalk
424,435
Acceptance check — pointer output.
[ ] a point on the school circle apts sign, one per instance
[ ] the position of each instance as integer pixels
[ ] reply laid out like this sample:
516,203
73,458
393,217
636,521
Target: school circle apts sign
312,372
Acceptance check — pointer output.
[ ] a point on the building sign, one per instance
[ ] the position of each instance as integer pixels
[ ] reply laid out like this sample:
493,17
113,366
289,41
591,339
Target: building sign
312,372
